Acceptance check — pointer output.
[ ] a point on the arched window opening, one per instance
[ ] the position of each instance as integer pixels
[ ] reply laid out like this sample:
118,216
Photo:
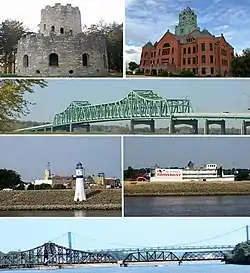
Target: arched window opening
166,45
166,49
85,59
53,59
53,28
25,61
61,30
104,61
71,32
44,27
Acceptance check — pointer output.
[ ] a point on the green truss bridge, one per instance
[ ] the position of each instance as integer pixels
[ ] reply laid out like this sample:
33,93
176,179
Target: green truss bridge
139,107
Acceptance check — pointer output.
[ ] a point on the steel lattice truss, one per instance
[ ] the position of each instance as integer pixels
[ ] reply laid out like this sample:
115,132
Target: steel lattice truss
52,254
151,256
138,104
162,256
203,255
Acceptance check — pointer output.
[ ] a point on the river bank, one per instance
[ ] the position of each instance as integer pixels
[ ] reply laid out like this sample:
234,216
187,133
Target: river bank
216,188
103,199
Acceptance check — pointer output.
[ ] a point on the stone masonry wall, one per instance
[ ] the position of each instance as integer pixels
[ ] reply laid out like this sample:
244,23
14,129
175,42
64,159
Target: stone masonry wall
69,50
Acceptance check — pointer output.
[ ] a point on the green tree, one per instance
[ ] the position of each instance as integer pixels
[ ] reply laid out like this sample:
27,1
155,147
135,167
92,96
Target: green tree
133,65
129,173
240,64
43,187
9,179
240,254
59,187
113,35
10,32
187,73
13,103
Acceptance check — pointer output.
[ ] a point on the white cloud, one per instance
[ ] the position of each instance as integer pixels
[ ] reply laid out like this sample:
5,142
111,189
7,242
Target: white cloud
132,54
92,11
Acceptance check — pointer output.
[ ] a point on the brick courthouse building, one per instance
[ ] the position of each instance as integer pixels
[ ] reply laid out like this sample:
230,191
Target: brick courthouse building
188,48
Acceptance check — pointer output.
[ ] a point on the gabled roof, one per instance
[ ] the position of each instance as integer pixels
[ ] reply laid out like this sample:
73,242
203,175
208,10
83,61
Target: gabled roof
148,44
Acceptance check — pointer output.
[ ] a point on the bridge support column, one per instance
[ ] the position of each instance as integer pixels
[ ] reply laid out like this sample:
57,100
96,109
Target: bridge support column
191,122
134,122
222,124
223,127
244,126
71,128
171,126
206,127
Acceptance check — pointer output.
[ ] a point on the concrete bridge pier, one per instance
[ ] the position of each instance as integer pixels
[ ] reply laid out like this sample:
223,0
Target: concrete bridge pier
244,126
86,126
135,122
222,124
191,122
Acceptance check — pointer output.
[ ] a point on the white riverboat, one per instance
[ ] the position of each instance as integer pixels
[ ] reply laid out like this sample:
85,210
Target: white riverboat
209,172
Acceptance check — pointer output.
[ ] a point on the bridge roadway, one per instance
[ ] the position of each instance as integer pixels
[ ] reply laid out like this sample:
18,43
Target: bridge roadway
51,254
139,107
176,119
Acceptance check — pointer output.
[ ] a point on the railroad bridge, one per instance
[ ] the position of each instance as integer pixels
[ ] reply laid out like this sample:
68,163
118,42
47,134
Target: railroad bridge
51,254
139,107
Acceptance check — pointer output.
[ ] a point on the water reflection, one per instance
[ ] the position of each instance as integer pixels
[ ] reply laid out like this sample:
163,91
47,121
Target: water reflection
61,213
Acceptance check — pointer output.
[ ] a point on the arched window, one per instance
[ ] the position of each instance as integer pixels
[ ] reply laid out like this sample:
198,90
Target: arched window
25,61
85,59
166,49
61,30
104,61
44,27
53,28
71,32
53,59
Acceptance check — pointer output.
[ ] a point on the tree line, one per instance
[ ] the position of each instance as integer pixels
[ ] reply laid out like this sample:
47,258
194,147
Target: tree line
10,179
11,31
239,66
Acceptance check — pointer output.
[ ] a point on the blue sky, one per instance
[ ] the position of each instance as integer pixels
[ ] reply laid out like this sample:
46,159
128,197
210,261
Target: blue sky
121,233
142,152
215,95
150,19
97,154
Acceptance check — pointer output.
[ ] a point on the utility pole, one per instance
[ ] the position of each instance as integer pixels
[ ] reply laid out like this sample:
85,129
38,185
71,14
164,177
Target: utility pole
247,233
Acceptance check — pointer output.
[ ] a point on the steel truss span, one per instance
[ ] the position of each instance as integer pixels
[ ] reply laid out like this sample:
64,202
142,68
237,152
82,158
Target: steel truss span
137,104
164,256
51,254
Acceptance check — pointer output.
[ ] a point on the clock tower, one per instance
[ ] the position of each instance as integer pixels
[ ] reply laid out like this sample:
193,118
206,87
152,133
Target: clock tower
187,22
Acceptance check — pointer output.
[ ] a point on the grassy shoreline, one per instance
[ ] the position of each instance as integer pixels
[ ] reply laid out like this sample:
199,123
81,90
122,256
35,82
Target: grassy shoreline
218,188
103,199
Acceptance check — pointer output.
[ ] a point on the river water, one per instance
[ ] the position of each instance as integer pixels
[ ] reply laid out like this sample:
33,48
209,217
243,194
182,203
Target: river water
185,268
196,206
62,213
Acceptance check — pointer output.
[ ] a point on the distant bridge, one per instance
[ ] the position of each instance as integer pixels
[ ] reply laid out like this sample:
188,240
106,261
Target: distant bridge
140,107
51,254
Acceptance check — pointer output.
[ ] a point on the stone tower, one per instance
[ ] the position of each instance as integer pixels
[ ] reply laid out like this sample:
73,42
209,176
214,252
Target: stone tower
187,22
60,48
60,20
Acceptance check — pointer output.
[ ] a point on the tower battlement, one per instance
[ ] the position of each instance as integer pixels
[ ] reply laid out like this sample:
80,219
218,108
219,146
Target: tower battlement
59,19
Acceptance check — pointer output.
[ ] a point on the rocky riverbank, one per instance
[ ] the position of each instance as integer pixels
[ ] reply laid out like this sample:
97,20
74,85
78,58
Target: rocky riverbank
103,199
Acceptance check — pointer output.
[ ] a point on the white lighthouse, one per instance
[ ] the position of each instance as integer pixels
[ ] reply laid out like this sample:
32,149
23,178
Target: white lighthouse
80,194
